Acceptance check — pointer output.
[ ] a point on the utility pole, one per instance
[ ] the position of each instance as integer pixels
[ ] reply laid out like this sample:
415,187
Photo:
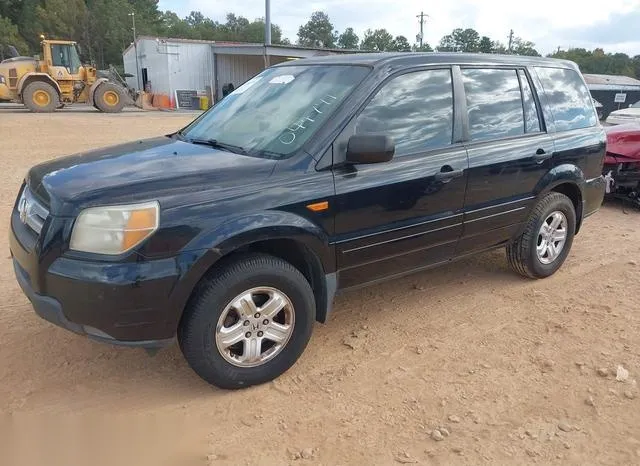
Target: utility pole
135,49
267,22
421,36
510,40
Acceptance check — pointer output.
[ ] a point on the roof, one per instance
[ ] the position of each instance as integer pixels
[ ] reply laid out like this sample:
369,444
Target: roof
414,58
223,43
609,79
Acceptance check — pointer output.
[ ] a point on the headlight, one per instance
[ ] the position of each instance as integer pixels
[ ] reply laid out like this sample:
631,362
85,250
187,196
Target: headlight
2,81
114,229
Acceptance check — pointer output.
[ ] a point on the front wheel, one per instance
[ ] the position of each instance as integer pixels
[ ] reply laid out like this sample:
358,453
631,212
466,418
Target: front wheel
248,323
108,98
547,238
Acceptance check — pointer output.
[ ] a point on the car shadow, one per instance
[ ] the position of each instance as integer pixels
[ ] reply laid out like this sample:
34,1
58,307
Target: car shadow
61,364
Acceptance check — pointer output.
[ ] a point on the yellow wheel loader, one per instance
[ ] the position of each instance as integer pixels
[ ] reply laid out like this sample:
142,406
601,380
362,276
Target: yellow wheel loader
56,79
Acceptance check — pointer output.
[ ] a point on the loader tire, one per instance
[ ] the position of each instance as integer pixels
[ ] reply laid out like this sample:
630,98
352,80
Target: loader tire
40,97
108,98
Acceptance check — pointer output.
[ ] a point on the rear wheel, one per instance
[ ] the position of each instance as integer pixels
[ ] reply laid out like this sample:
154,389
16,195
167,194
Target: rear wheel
40,97
248,323
108,98
547,238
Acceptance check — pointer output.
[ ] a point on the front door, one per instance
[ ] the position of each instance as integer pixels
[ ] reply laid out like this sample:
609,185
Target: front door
404,214
509,152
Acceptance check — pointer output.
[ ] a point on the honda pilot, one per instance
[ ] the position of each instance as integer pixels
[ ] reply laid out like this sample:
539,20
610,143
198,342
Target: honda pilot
234,234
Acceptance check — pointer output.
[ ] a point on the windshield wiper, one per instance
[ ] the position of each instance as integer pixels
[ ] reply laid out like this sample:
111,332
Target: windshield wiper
219,145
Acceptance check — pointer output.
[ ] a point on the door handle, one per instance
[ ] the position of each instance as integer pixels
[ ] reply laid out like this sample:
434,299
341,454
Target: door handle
542,155
447,173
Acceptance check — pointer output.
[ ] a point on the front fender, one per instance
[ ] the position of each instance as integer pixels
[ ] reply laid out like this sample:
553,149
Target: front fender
242,231
209,247
34,75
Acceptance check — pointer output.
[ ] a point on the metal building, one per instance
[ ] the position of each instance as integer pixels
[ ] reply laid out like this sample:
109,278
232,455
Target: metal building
613,92
165,66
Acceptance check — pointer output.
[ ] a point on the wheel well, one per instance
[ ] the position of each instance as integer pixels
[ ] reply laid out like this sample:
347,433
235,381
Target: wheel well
295,253
40,78
572,191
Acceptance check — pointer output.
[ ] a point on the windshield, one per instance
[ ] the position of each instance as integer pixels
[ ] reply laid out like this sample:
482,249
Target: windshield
636,105
277,111
65,55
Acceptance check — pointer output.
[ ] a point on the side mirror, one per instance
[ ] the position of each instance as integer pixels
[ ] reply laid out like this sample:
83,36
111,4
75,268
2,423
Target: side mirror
370,148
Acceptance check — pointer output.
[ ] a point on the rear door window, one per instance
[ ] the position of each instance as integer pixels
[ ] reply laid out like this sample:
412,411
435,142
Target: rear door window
568,97
494,103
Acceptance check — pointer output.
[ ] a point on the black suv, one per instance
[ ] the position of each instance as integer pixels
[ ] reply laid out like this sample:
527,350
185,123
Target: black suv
319,175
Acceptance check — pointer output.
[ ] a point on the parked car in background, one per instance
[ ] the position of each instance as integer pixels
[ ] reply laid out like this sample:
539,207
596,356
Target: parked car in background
622,162
623,116
599,109
317,176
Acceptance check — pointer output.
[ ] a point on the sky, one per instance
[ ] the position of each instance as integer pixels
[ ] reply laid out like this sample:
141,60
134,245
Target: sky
612,25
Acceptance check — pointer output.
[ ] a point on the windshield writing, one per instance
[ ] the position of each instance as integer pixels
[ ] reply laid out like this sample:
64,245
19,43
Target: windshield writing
277,111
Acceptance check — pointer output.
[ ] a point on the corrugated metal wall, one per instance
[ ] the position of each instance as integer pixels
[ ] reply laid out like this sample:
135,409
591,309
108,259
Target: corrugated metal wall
237,69
171,65
190,66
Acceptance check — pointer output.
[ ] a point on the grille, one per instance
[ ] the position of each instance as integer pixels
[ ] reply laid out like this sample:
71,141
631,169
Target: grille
13,77
32,213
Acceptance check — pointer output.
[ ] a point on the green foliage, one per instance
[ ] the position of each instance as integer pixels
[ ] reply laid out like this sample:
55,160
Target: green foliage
599,62
377,41
460,40
425,48
485,45
317,32
104,29
9,35
524,47
401,44
348,39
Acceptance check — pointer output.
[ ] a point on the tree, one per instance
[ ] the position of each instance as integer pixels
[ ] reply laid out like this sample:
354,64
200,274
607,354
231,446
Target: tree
401,44
460,40
485,45
348,39
148,17
9,35
597,61
62,19
424,48
317,32
378,41
499,47
636,66
524,47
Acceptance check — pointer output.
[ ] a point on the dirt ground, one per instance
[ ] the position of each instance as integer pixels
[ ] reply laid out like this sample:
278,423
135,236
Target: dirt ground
513,371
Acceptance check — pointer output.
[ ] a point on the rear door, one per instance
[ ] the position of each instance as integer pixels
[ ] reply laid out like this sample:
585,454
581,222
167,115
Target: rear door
405,214
509,152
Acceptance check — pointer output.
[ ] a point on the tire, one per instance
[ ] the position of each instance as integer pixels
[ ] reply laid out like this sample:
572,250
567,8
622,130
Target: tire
41,97
200,331
108,98
523,255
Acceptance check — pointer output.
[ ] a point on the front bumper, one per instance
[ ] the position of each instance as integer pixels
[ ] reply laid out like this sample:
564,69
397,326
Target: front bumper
122,303
51,310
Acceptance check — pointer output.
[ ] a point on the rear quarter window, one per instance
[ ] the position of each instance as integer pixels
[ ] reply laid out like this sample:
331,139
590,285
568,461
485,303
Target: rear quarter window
568,97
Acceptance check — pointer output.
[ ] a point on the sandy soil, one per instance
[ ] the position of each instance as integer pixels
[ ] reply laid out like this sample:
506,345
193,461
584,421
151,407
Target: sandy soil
514,371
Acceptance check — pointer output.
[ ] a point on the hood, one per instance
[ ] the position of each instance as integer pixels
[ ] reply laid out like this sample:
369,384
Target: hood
629,111
623,143
161,168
